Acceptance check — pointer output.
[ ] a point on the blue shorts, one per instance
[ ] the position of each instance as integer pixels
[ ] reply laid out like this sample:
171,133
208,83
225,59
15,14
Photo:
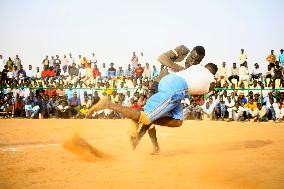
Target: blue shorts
167,102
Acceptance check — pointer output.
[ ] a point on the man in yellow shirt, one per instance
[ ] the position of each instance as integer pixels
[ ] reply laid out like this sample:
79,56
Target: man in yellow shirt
252,109
271,59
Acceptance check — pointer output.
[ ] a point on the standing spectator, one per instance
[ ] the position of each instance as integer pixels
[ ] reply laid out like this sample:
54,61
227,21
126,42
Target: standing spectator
222,72
111,70
38,73
256,73
2,63
138,72
244,73
10,62
57,71
142,60
134,61
96,71
147,72
280,57
57,61
18,62
84,61
234,73
71,60
243,57
155,72
93,60
128,71
52,62
271,58
45,62
65,62
79,60
104,71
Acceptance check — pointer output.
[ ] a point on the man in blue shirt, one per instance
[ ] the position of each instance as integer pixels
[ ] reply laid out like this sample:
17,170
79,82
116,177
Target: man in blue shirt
281,58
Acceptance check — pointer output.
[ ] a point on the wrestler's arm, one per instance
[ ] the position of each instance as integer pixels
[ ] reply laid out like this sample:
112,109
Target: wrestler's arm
176,55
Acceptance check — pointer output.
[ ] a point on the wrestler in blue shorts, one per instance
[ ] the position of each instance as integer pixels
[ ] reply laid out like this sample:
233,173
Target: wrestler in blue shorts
164,108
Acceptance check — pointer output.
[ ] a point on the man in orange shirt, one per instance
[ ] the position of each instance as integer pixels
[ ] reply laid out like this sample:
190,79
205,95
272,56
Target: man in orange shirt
271,59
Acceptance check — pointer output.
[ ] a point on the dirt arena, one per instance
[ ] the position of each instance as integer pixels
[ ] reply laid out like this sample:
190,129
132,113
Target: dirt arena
199,155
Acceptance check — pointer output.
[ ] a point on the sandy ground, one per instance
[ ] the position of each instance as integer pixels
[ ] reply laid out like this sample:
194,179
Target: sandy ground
199,155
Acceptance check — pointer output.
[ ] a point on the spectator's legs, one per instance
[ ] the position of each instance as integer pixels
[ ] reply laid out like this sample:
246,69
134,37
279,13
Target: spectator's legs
35,111
272,113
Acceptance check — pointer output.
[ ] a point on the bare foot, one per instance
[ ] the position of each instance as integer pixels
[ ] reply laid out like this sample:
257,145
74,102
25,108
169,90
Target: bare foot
156,151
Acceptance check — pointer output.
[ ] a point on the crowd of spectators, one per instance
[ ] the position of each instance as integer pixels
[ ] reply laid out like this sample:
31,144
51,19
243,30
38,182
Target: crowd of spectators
66,87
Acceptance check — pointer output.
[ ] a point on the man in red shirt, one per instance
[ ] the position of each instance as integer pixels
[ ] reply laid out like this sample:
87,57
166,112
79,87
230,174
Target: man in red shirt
138,71
96,71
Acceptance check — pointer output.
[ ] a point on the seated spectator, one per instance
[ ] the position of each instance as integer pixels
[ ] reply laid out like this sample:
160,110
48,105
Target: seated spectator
222,72
51,105
207,109
8,104
252,110
278,71
256,73
63,110
255,85
86,102
220,109
45,73
120,72
74,73
21,74
83,112
30,74
128,71
74,103
134,104
19,110
279,111
31,106
234,73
